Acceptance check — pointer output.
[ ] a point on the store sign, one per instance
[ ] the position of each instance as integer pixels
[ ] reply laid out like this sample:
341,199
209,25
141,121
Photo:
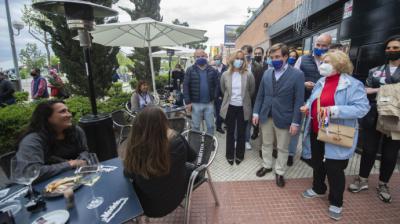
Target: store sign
348,9
230,34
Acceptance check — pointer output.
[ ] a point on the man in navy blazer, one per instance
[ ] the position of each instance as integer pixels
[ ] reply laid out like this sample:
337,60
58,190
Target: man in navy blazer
277,109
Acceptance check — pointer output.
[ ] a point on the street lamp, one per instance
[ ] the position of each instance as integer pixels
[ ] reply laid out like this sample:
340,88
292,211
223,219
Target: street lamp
18,26
14,52
80,16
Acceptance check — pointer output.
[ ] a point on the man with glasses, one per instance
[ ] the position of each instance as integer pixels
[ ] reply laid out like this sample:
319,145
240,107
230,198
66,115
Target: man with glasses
199,90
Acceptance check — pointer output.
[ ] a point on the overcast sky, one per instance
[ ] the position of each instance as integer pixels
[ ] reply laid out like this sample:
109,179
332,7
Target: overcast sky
210,15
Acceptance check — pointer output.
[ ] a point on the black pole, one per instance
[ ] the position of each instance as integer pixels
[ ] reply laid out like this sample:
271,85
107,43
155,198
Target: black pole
169,74
88,68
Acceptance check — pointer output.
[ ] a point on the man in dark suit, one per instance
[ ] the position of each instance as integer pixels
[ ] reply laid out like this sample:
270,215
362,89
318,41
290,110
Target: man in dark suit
221,68
277,109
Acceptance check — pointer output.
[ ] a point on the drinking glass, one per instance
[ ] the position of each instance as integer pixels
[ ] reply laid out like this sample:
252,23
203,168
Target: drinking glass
23,172
94,161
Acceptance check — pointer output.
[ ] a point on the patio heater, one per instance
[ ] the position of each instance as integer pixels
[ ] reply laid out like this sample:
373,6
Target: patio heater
170,53
80,16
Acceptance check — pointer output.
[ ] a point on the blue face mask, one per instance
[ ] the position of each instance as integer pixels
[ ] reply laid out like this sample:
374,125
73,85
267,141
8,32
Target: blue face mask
291,61
248,58
201,61
277,64
320,51
237,63
217,62
268,61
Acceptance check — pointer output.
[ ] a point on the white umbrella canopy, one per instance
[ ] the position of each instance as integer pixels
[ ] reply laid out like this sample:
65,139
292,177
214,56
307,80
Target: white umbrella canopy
145,32
179,52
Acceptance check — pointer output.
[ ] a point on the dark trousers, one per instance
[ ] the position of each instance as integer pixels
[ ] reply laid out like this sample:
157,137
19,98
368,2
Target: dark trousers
218,118
390,149
235,120
333,169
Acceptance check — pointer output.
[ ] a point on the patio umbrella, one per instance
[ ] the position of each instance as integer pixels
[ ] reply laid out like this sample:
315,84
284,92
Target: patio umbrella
145,32
179,52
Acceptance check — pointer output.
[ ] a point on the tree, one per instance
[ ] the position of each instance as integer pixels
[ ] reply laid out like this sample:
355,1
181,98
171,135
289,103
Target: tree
32,57
31,17
104,60
140,56
193,45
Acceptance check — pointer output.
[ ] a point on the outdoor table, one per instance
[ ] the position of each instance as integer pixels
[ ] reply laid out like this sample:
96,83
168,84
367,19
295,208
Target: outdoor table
113,186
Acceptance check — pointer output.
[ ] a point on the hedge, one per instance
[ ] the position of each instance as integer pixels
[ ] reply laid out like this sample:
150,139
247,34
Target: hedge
15,118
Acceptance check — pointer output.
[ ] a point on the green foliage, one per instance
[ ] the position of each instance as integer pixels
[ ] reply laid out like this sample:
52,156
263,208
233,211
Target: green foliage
24,73
133,83
13,121
104,61
21,97
140,57
161,81
124,60
115,89
32,57
54,61
15,118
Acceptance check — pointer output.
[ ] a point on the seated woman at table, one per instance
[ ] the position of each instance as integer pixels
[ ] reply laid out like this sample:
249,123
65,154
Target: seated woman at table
141,98
52,141
156,159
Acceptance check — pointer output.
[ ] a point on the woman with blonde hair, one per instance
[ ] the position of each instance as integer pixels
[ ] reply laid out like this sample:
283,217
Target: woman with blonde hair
337,98
237,87
155,159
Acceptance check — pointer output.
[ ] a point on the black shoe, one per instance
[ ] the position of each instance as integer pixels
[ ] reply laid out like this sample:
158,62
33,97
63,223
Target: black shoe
254,135
290,161
307,161
280,181
230,162
238,161
220,130
262,171
275,153
260,153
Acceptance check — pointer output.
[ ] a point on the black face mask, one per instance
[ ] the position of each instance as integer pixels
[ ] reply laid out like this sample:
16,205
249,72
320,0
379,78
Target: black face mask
258,59
392,55
33,74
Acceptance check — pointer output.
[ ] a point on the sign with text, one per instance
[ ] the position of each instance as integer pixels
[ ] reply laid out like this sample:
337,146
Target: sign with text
230,34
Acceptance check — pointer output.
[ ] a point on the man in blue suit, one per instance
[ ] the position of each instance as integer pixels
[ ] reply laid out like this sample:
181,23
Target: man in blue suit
277,109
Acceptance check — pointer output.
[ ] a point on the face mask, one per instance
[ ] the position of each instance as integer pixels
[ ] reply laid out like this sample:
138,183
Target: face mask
291,61
258,58
201,61
33,74
277,64
248,58
217,62
238,63
319,51
392,55
268,61
326,69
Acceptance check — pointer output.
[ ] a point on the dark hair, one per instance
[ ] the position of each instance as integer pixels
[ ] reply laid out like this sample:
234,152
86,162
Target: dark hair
140,83
335,46
40,124
390,39
297,55
279,46
37,70
262,50
147,152
247,48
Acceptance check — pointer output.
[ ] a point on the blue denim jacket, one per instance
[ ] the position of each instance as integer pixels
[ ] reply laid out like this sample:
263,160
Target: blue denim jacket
351,103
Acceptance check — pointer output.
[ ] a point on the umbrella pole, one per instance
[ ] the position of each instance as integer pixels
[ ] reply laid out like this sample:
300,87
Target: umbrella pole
152,68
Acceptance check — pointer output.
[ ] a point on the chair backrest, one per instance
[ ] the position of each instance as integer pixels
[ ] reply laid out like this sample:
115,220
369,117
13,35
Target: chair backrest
5,162
128,106
177,123
121,117
125,133
204,144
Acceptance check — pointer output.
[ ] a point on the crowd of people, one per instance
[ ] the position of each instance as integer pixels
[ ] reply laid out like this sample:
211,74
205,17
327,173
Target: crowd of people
274,93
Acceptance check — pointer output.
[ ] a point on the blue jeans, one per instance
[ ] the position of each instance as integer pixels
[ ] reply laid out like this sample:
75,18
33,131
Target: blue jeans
202,111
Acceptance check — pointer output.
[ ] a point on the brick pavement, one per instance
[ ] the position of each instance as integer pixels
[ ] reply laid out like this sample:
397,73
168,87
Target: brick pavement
255,202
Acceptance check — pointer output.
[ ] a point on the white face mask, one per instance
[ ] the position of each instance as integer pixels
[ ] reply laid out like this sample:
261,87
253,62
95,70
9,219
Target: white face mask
326,69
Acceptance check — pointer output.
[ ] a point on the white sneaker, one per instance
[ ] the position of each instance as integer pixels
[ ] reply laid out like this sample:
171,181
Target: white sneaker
248,146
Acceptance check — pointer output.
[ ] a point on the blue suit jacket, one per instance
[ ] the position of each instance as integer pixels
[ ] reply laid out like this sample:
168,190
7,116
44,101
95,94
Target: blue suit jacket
285,104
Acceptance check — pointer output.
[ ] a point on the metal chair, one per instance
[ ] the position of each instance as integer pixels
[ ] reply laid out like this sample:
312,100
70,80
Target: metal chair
5,162
128,107
122,120
206,146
